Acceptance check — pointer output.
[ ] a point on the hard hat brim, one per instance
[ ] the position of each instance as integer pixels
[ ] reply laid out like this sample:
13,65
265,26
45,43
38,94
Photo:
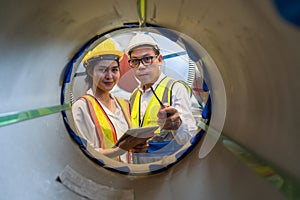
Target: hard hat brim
133,47
117,53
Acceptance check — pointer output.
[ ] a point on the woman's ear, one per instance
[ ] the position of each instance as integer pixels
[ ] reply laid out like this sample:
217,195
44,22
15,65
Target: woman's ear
89,71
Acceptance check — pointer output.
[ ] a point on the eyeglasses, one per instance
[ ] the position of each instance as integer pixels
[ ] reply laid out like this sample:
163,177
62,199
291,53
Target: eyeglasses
147,60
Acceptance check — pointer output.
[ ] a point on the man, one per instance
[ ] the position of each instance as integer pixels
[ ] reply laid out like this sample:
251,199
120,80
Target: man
174,116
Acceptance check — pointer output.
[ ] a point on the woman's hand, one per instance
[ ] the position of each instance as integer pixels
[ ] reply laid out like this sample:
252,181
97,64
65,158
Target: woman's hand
135,143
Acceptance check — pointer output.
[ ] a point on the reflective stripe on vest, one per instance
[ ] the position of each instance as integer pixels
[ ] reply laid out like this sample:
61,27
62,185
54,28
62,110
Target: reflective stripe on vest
105,129
163,92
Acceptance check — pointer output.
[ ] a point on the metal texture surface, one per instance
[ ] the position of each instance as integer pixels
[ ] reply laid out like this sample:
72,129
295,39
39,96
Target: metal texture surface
257,54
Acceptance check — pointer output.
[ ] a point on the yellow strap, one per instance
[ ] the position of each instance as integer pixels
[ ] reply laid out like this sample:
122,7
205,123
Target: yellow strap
104,126
125,109
150,118
135,109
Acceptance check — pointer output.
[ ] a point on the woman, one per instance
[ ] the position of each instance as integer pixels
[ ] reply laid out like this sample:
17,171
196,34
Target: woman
100,117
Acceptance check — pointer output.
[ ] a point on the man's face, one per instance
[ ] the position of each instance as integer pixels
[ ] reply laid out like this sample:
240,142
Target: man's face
150,73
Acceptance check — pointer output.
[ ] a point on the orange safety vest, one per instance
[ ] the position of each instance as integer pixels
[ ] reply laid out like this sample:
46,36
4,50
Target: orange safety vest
106,131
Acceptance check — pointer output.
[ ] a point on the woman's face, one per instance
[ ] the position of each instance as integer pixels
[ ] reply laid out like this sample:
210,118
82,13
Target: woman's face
106,75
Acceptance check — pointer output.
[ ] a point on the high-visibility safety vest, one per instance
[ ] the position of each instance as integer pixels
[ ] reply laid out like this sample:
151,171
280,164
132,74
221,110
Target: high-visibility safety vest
163,92
106,131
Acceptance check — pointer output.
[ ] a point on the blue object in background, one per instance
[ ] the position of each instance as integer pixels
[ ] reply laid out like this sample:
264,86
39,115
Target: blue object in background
206,112
289,10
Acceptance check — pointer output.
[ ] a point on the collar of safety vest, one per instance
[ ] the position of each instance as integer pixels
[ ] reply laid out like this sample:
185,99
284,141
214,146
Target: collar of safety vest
162,76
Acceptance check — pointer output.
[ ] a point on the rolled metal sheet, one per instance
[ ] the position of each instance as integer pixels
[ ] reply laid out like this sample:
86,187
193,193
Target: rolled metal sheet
256,53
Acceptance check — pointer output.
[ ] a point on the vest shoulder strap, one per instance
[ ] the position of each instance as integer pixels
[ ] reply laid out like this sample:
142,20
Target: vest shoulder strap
132,97
184,84
103,125
125,109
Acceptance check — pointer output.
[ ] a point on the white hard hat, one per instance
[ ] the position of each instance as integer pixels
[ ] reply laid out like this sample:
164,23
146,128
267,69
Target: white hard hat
141,39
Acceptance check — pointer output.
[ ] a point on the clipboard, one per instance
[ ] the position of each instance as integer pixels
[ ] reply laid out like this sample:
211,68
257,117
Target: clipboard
141,132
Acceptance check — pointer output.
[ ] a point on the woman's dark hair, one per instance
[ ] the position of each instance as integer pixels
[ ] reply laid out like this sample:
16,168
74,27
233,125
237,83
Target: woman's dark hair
89,79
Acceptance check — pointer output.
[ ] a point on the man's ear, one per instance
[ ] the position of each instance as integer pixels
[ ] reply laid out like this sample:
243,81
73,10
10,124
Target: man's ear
160,58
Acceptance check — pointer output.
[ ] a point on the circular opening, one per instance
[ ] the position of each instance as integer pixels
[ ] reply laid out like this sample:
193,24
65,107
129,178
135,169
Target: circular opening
183,60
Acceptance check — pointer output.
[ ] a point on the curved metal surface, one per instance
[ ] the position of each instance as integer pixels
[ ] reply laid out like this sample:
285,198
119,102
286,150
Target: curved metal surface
257,56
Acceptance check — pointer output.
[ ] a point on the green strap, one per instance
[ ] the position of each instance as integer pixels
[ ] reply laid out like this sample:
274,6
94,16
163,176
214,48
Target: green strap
11,118
141,8
202,125
289,187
